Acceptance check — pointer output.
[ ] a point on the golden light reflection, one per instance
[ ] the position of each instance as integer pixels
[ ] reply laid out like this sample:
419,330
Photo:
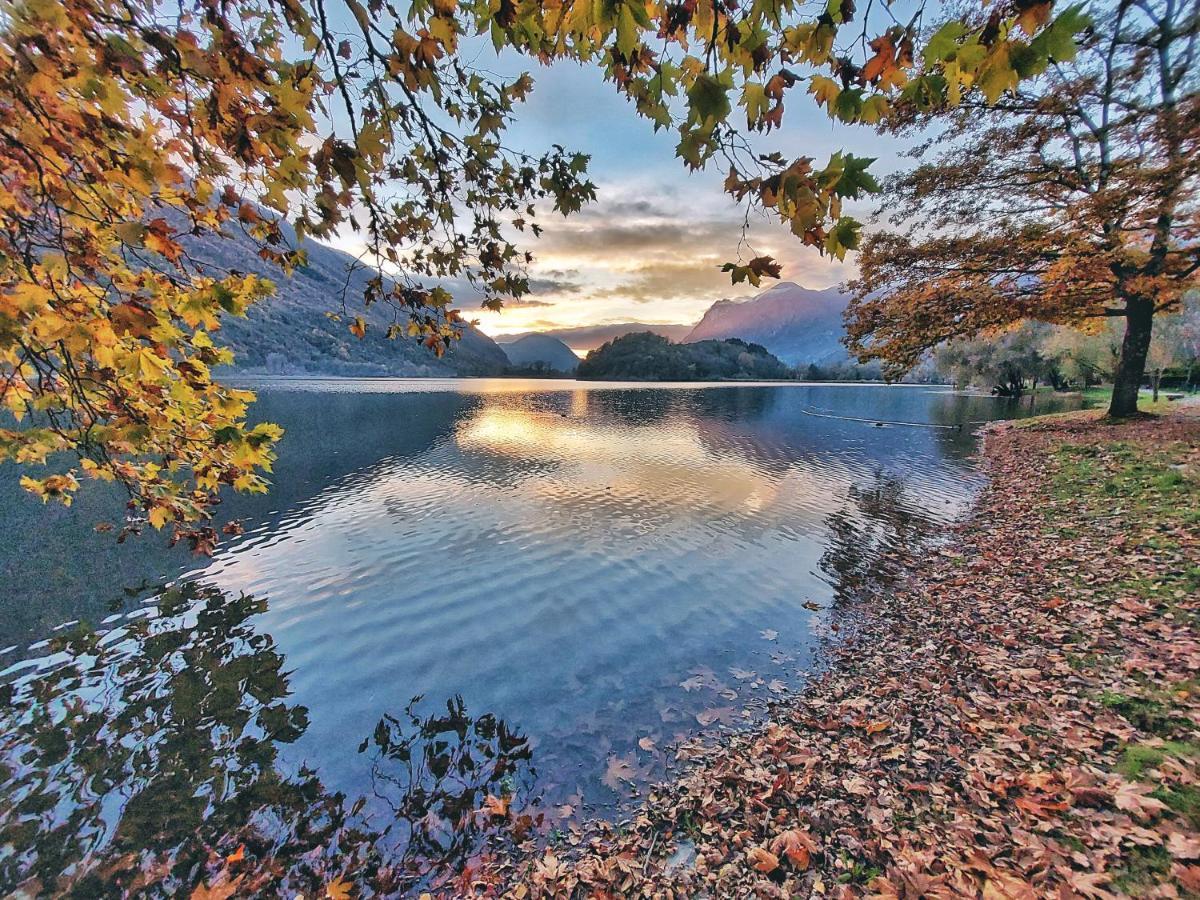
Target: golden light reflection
632,464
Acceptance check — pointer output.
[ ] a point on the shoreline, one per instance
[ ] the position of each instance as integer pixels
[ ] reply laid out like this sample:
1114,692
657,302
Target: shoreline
1020,717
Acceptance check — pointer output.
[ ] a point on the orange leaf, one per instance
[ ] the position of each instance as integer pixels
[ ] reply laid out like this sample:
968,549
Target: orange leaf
763,859
798,846
497,806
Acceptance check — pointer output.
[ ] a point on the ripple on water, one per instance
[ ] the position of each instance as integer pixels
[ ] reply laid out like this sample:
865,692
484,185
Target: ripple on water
591,565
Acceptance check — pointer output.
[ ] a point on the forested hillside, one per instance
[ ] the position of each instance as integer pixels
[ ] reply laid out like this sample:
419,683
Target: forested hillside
651,357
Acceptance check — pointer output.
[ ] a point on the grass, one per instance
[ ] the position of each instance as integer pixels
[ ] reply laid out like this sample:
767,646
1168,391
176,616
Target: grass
1099,398
1149,483
1137,759
1148,714
1183,798
1145,870
1154,488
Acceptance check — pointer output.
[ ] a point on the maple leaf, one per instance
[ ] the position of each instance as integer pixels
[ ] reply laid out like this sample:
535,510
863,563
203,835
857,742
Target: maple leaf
796,845
724,714
1182,846
1090,884
1135,799
762,859
496,806
692,684
338,889
222,888
856,785
620,769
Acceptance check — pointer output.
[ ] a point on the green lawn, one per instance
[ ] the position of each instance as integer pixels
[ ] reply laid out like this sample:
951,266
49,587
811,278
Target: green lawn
1099,397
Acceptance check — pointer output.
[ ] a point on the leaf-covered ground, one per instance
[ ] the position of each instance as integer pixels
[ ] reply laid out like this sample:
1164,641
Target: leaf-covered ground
1021,718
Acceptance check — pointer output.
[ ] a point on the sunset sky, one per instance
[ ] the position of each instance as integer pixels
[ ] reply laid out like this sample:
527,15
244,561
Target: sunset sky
650,249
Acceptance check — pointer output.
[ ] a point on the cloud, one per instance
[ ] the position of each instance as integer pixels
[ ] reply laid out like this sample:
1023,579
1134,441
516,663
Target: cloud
699,278
553,285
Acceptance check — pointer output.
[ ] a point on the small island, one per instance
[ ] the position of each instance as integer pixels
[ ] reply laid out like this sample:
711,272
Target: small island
645,356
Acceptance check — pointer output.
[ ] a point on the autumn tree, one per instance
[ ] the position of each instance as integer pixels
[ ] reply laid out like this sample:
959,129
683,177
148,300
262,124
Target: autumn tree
1006,366
1069,197
128,127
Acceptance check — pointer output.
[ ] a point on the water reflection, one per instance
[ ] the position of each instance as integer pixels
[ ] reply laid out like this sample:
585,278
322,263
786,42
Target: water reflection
142,759
613,570
872,537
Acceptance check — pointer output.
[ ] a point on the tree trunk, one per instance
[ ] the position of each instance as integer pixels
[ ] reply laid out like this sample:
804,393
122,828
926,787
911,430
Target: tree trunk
1131,367
1157,379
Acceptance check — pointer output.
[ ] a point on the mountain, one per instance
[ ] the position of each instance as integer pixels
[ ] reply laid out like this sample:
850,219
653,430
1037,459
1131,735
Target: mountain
540,348
651,357
796,324
290,332
589,337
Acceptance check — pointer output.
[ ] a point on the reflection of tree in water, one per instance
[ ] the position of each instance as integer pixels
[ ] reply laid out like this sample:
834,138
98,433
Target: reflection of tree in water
435,775
139,761
869,538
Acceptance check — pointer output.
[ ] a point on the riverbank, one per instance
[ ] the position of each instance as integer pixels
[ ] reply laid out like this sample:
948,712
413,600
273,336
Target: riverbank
1018,719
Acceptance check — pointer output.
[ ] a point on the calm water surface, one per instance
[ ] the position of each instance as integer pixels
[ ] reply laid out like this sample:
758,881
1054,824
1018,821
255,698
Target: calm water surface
605,569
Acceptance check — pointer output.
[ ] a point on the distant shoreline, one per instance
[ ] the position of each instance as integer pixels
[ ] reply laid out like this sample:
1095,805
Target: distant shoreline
639,382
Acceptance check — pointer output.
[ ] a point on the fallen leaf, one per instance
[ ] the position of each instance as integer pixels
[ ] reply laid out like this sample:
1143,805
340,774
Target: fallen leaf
620,769
496,806
724,714
798,846
1182,846
763,859
222,888
1135,800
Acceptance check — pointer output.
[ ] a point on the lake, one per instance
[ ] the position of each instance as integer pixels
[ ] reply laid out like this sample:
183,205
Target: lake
573,577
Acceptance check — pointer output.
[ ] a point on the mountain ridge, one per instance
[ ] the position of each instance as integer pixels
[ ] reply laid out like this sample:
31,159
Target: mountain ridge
797,324
291,333
532,349
591,337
